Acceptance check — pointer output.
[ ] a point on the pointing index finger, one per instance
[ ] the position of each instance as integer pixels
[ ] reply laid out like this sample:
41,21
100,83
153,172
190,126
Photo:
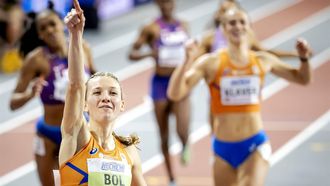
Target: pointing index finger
77,6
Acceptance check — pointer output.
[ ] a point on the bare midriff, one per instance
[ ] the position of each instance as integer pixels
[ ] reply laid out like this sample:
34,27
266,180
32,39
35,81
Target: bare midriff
237,126
164,71
53,114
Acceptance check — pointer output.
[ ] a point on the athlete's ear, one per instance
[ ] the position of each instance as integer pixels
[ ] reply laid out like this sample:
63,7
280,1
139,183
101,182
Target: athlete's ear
122,105
85,107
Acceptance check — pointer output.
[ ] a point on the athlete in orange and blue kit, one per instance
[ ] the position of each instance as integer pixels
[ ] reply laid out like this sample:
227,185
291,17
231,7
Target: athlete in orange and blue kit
91,153
237,89
235,76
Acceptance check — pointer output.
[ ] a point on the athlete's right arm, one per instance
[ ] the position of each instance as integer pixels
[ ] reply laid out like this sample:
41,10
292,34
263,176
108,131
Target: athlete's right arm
144,38
73,120
28,85
187,75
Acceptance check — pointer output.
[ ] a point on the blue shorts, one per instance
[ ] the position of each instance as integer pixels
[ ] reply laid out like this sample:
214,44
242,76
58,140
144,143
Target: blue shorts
159,86
51,132
235,153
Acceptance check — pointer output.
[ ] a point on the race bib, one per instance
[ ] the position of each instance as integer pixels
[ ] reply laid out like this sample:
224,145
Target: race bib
243,90
173,38
105,172
171,56
172,52
60,83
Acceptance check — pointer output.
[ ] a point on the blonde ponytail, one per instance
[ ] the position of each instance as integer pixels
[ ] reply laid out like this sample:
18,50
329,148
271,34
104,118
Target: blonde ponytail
132,139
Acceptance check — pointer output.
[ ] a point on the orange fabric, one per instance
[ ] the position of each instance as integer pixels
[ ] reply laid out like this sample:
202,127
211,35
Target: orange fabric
70,176
227,69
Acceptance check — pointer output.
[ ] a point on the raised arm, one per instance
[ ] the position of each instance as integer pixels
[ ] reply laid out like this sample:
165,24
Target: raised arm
301,75
73,119
187,75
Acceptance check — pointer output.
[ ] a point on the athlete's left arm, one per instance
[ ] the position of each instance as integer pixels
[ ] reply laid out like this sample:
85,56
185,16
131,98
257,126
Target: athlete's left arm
301,75
137,175
256,46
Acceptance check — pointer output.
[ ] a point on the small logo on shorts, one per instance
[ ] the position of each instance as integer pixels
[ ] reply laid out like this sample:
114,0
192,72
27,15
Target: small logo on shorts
252,147
93,151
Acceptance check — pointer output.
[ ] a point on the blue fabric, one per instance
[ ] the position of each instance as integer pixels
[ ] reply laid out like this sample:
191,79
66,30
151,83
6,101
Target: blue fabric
51,132
77,169
159,86
235,153
87,3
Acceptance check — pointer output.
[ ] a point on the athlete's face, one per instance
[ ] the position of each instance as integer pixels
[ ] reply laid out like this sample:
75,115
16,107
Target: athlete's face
236,26
166,7
50,29
104,99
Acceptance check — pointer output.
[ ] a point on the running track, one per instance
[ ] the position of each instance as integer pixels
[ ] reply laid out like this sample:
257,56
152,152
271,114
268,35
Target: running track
286,113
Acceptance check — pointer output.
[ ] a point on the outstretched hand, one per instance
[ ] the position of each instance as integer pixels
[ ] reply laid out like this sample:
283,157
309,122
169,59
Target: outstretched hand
75,19
37,86
191,47
303,48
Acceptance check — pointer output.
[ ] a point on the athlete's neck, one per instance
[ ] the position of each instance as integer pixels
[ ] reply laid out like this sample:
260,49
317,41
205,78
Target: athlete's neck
239,53
168,19
103,135
61,50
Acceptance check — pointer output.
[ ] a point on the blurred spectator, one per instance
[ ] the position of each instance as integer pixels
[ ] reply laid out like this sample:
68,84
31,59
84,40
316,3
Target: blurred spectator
60,6
90,8
12,23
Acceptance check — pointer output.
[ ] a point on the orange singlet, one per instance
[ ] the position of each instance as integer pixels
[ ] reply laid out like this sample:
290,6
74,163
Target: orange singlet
93,166
236,89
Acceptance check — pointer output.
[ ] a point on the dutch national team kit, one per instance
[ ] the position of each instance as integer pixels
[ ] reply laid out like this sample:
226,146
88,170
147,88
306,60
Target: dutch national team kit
238,89
94,166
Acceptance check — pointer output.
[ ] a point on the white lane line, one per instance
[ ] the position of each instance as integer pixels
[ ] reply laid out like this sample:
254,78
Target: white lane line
189,15
194,137
20,120
135,69
293,31
17,173
300,138
131,115
271,8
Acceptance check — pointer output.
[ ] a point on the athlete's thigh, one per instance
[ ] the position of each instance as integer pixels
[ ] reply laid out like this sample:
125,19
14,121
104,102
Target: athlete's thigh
223,173
46,157
253,171
181,109
161,109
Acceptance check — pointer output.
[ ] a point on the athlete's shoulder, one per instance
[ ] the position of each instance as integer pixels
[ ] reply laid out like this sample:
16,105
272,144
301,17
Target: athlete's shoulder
36,56
150,27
